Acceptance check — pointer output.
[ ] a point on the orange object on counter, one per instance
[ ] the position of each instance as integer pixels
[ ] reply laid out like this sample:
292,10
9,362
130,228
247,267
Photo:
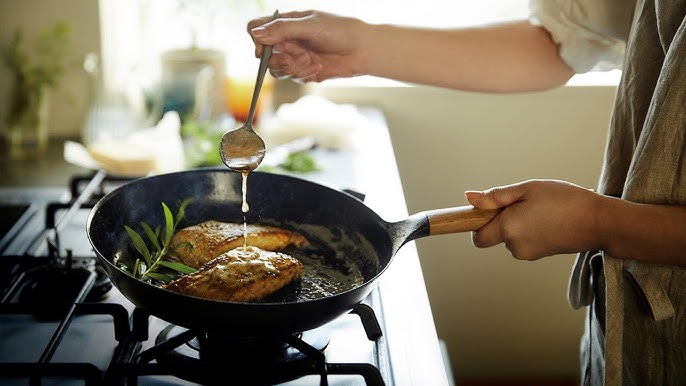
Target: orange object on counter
238,95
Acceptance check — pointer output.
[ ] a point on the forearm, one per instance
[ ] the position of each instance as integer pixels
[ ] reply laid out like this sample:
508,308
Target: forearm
512,57
651,233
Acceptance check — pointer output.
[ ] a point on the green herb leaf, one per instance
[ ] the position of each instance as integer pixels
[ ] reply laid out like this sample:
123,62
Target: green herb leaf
152,236
156,253
184,244
177,266
138,243
181,213
300,162
159,277
169,224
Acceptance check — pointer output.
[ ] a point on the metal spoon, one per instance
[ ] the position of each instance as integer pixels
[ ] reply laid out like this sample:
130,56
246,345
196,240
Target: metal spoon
243,149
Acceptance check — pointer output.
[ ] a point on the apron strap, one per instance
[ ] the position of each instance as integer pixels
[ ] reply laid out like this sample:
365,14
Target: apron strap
650,279
614,319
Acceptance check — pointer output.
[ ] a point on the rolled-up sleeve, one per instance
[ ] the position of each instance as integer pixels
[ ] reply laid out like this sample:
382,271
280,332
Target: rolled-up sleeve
591,34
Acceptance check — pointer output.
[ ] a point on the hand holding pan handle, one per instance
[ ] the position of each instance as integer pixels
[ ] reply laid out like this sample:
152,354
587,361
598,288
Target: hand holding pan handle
458,219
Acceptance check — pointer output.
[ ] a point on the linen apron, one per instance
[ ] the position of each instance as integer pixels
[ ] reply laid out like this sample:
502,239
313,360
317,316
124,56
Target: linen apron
636,328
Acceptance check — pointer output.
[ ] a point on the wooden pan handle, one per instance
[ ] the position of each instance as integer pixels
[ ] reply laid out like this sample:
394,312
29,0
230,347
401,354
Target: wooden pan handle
458,219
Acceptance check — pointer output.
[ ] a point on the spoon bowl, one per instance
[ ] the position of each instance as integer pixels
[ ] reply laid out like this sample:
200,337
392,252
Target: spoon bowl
243,149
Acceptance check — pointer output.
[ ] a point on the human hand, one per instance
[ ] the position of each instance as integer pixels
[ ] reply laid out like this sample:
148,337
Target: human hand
541,218
311,45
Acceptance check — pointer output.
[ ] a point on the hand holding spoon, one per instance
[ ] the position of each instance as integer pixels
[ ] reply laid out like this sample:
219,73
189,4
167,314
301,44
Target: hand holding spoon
243,149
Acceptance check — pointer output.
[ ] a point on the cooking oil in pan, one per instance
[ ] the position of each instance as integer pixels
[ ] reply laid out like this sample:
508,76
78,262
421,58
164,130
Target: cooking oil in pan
322,275
322,279
338,261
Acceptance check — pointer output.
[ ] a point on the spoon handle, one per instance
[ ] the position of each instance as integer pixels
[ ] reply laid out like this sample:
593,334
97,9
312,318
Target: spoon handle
261,72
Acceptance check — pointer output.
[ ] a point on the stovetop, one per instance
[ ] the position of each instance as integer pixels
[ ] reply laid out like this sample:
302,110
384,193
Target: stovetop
63,323
408,350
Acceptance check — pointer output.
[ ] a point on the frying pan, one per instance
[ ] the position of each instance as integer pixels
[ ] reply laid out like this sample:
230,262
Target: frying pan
352,228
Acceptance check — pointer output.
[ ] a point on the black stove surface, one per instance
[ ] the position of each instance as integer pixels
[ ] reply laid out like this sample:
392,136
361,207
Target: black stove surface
63,323
12,218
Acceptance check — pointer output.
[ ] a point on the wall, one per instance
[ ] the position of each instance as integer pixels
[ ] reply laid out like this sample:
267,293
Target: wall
498,316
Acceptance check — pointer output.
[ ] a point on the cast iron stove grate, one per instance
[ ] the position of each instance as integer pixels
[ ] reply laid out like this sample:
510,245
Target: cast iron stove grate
51,291
204,359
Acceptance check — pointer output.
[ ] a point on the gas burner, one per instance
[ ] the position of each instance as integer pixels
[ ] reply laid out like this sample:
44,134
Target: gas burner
245,360
102,284
101,287
51,286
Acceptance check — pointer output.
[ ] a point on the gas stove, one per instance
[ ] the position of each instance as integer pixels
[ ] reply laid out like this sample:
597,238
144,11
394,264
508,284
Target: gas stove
76,328
63,322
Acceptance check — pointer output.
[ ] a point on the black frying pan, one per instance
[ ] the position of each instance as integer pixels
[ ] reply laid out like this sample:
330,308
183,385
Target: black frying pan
338,223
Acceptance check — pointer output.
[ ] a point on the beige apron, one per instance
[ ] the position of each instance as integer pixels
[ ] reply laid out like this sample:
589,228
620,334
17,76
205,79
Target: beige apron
636,329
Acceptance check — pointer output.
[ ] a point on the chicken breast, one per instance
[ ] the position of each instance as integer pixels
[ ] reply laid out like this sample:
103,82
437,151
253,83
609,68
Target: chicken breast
240,275
198,244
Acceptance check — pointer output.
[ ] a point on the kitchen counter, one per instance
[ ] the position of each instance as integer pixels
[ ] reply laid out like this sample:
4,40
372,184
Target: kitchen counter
48,170
410,327
413,347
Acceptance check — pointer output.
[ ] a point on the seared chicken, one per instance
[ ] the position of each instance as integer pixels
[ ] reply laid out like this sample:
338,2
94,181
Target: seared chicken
240,275
198,244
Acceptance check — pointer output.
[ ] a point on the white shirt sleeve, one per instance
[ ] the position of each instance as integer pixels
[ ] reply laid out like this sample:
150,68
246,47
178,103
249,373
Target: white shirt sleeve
592,34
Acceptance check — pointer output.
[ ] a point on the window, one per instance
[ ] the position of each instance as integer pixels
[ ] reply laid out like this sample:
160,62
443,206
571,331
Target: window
135,33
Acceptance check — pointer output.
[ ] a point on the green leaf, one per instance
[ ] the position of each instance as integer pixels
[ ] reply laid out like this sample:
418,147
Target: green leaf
169,224
155,256
159,276
184,244
177,266
182,211
138,243
152,236
300,162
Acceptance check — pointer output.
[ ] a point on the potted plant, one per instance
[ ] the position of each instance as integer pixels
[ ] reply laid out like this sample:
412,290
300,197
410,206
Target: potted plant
34,74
